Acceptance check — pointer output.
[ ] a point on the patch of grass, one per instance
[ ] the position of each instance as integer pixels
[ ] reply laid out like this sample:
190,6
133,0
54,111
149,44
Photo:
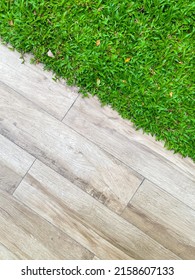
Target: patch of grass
137,56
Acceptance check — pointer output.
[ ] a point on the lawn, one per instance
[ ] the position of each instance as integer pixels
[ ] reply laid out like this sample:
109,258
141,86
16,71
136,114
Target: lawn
137,56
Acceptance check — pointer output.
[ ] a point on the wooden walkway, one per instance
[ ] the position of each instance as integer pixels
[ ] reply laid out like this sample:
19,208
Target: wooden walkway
78,182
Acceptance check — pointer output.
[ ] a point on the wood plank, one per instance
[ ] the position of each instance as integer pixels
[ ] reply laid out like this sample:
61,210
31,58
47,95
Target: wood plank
164,218
70,154
37,86
42,176
14,163
96,258
81,216
26,58
141,152
5,254
31,237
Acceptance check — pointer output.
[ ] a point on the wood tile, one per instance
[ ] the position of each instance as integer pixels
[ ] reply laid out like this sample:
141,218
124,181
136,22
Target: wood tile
26,58
166,219
96,258
45,184
14,163
5,254
64,216
85,219
37,86
141,152
70,154
31,237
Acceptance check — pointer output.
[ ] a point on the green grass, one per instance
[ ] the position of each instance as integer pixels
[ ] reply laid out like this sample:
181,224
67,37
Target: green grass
137,56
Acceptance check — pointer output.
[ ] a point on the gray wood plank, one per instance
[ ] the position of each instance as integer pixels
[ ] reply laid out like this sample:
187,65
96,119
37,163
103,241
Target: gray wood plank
70,154
37,86
31,237
141,152
78,214
164,218
45,185
5,254
14,163
96,258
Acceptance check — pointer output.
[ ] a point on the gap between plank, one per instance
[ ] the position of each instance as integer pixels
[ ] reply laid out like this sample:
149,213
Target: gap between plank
133,196
69,108
24,174
66,125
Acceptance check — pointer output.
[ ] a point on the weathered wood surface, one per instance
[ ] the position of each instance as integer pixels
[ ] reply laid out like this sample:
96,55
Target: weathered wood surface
44,184
142,153
166,219
5,254
66,151
14,163
87,187
31,237
73,211
51,96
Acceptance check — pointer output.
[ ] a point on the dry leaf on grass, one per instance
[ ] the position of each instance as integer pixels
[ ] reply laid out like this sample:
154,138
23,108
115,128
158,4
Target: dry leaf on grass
11,23
127,59
97,42
98,82
50,54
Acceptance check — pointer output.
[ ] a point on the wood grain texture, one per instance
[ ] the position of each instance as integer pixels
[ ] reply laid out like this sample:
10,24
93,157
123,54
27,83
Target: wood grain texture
32,237
96,258
166,219
5,254
141,152
80,215
71,155
122,197
44,184
37,86
14,163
